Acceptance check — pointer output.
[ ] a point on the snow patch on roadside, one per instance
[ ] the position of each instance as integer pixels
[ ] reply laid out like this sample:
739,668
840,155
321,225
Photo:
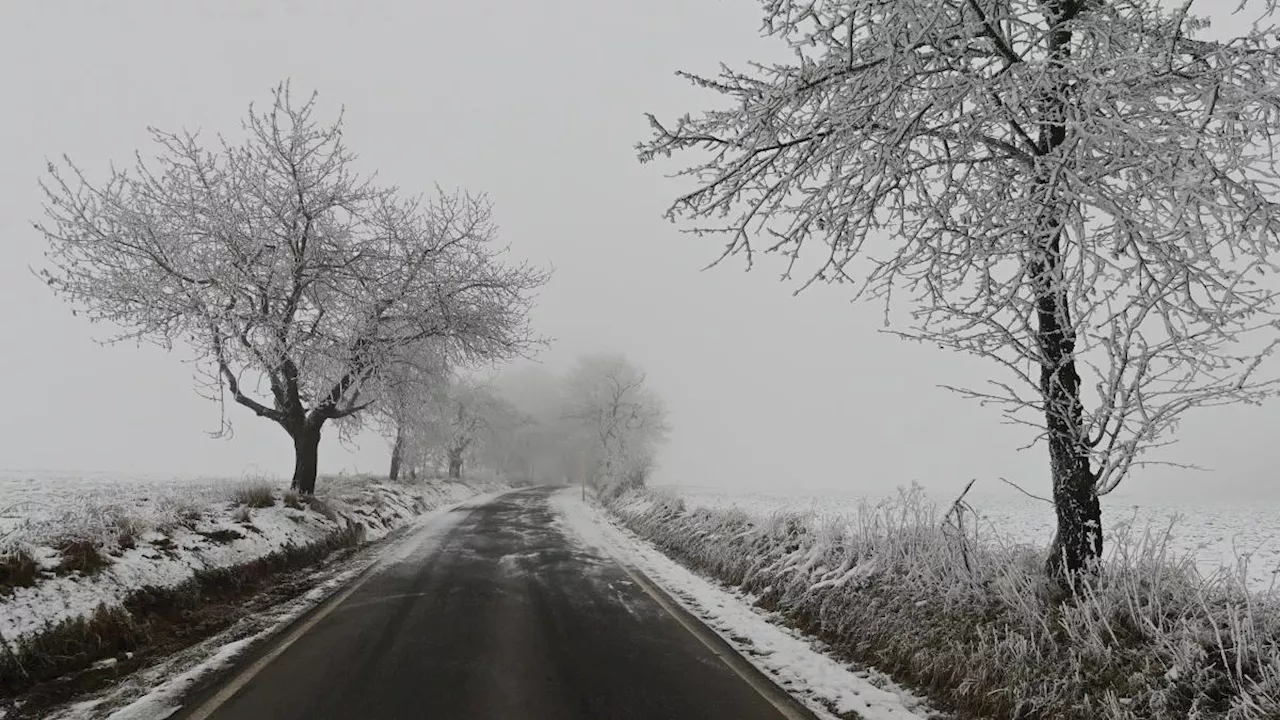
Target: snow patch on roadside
159,691
220,535
822,683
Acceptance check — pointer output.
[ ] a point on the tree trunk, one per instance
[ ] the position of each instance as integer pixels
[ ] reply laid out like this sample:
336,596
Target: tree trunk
306,449
397,454
1077,542
455,463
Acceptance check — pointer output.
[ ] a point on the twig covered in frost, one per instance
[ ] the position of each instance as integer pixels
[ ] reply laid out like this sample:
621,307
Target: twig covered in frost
1083,193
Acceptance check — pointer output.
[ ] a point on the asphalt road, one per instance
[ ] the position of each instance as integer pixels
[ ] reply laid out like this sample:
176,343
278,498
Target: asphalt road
505,617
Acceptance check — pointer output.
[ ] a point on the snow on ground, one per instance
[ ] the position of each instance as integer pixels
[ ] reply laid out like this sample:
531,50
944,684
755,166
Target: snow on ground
177,530
42,497
158,692
794,662
1216,533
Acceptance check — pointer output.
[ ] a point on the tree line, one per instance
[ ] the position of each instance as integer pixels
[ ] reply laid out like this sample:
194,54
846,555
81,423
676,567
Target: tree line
310,295
598,424
315,297
1081,192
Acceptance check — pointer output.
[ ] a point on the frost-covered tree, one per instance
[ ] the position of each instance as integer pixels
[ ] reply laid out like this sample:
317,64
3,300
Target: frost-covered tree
1081,191
606,397
409,394
282,268
470,416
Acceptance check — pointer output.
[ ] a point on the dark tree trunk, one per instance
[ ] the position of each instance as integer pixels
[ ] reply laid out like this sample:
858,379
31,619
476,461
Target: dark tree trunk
306,449
455,463
1077,543
397,454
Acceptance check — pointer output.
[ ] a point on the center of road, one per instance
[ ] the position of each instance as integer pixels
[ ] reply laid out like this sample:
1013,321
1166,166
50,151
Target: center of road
503,617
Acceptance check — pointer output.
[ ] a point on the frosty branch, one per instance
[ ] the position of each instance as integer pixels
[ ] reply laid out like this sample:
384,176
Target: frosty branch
1081,191
276,263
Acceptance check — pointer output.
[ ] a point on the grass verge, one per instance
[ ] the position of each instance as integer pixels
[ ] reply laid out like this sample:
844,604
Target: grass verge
976,625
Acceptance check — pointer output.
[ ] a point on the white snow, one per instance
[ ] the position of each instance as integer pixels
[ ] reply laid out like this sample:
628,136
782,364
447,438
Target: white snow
795,663
157,692
168,555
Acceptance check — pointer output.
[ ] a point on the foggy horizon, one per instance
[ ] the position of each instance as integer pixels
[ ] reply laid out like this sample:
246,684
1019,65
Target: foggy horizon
766,391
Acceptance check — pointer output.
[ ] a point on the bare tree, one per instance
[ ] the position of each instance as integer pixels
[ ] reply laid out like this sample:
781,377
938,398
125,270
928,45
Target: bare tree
470,415
280,266
607,397
1078,190
409,394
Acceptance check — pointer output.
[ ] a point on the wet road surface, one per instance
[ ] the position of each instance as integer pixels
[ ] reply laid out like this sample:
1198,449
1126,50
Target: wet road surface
506,616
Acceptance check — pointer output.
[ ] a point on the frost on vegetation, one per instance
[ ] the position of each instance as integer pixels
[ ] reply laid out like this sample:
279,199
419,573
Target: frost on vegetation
971,619
63,564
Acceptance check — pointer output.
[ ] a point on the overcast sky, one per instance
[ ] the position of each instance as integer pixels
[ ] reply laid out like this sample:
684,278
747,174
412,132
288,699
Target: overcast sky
539,104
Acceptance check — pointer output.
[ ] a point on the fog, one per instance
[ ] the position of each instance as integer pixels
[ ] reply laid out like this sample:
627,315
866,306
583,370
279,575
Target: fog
540,105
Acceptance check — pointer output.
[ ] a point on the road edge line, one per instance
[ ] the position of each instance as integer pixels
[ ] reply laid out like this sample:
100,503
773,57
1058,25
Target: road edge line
291,635
784,702
268,648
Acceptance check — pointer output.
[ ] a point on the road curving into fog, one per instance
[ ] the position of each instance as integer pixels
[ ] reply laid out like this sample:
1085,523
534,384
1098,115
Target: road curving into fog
503,617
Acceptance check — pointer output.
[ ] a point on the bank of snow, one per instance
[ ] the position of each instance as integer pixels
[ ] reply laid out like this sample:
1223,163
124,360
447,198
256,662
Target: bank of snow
67,575
827,686
162,689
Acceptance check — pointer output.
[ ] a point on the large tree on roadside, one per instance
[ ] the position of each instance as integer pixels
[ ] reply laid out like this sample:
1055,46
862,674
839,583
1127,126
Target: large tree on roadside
281,267
1079,190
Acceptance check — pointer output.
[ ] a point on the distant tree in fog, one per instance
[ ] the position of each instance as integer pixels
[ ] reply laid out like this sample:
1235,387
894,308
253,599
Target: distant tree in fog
1081,191
546,446
279,266
625,421
409,394
470,417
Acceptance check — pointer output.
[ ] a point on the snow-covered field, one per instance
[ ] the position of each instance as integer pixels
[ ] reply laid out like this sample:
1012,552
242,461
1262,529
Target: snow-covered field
36,496
1216,533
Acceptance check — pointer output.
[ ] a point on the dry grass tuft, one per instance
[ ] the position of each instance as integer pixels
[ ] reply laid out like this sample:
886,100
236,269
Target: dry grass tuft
254,493
17,569
292,499
81,555
323,508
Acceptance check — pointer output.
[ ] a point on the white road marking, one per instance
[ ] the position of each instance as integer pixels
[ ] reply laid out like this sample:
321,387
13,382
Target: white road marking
731,659
396,553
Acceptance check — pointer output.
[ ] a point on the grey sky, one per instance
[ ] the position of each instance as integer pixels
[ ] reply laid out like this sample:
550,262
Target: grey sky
539,104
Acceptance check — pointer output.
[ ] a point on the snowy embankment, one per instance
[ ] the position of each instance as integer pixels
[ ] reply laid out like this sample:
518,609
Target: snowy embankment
827,686
82,583
901,587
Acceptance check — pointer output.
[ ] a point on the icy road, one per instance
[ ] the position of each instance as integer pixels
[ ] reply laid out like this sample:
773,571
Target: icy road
502,616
